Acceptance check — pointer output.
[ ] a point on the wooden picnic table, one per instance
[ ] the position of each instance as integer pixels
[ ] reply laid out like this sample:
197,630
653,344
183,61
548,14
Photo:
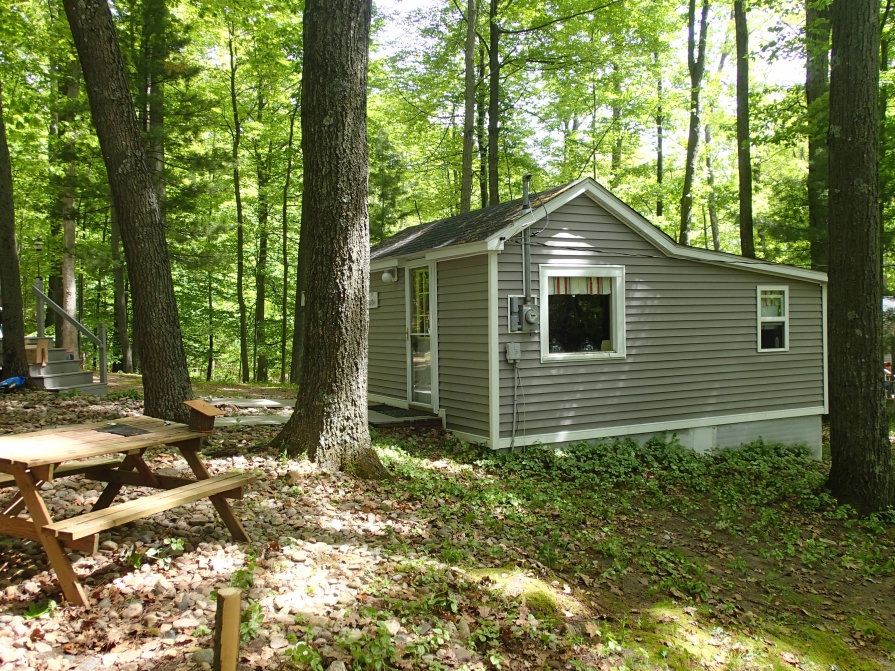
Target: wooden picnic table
110,452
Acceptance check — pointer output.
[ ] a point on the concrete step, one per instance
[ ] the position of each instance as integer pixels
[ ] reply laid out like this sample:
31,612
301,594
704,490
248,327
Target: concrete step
54,368
64,380
92,389
58,354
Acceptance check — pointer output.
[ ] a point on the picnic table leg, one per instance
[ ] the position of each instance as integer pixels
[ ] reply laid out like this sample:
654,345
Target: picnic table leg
40,516
220,503
111,490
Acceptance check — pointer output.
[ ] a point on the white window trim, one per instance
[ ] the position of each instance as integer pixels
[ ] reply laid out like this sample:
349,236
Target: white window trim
773,320
617,317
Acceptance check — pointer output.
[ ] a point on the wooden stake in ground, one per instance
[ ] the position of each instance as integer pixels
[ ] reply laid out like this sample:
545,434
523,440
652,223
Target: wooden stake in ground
330,420
226,629
861,473
166,380
14,361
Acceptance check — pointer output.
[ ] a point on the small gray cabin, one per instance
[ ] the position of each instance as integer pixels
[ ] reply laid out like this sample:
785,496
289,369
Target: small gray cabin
616,331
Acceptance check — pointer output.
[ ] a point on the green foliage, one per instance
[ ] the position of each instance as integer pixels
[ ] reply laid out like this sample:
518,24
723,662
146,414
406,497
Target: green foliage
251,621
36,611
171,547
244,578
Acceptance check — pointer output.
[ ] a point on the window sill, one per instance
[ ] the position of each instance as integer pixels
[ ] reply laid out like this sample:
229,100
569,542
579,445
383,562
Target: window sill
776,350
581,356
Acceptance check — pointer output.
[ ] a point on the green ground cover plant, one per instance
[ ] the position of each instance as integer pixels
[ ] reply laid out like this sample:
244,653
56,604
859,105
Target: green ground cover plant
642,556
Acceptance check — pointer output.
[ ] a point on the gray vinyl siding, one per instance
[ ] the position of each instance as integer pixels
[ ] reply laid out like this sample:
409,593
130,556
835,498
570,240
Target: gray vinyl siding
387,369
463,343
691,337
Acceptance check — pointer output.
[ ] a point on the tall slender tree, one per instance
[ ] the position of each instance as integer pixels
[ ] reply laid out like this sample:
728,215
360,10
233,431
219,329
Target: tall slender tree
744,137
817,86
166,380
469,90
330,422
861,472
696,66
12,317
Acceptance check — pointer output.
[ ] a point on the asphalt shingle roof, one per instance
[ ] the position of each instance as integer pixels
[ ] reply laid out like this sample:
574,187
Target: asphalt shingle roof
474,226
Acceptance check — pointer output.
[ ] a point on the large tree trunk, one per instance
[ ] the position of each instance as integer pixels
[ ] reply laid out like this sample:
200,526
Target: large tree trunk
124,343
12,317
493,105
155,55
481,137
861,472
286,183
166,380
744,138
299,321
696,67
240,229
330,420
817,84
469,107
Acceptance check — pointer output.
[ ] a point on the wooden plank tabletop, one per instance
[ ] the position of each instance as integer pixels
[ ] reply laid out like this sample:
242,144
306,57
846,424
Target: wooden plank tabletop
68,443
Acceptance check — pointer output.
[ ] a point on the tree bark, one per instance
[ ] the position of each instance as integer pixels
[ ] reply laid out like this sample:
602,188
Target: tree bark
67,335
299,321
861,471
660,132
469,107
696,67
710,181
263,167
744,138
166,380
480,130
817,86
330,421
124,343
209,368
12,317
493,105
240,229
286,184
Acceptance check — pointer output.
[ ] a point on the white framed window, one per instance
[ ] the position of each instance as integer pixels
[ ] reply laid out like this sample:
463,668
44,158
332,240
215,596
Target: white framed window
773,318
582,312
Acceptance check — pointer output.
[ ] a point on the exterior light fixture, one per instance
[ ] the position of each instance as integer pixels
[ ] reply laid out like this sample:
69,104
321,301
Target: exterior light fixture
390,275
38,244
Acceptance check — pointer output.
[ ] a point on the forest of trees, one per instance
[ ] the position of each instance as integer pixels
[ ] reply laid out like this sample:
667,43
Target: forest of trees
709,118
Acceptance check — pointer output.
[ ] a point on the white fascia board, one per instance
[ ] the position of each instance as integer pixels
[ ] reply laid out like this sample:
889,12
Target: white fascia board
493,351
823,301
383,264
657,427
652,234
458,251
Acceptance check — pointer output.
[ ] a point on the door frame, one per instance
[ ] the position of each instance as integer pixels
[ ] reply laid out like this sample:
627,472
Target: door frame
409,267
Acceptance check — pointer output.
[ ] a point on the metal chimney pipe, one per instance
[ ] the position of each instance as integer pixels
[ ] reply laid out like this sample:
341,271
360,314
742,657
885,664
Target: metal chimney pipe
526,204
526,242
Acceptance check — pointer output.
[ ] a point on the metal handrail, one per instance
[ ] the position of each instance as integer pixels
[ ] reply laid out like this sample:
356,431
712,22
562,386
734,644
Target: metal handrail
99,341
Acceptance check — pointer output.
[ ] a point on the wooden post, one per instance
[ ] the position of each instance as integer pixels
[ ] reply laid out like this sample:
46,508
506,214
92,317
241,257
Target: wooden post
226,629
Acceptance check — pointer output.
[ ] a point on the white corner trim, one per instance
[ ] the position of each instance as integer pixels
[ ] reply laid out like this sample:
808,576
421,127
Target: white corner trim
636,222
473,438
388,400
657,427
823,302
493,354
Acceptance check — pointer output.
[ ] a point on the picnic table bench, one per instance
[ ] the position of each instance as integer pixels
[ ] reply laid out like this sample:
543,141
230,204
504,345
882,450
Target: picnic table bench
110,452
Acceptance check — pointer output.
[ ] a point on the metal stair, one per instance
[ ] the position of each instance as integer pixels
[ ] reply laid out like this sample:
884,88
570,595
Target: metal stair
63,374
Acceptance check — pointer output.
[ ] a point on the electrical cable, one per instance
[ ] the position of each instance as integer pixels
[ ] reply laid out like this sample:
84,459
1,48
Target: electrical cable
546,221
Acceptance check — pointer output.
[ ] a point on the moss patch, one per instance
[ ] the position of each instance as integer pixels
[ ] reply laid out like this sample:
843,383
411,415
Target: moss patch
541,597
